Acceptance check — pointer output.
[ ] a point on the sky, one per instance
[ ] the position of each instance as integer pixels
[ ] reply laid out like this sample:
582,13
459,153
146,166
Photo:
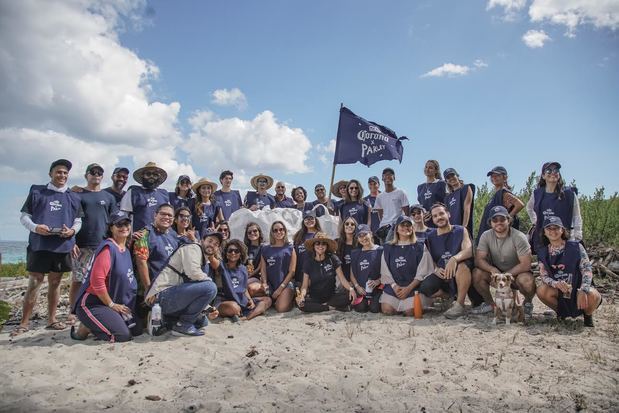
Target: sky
256,87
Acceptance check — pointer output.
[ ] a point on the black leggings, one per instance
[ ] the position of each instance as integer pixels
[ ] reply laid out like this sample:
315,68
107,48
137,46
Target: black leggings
371,303
339,300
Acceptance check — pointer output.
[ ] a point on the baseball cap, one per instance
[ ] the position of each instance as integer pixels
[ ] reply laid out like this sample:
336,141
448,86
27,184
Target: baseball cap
63,162
403,218
417,206
310,213
209,232
553,220
119,216
373,179
180,178
120,169
92,166
363,229
449,171
499,210
497,170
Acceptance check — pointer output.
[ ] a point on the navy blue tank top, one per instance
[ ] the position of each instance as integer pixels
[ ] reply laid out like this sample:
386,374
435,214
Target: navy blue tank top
443,247
455,206
234,283
402,261
144,203
160,247
565,267
366,264
277,260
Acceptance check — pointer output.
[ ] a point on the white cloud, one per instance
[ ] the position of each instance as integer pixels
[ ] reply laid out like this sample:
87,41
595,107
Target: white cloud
259,144
535,38
449,70
324,152
510,7
480,64
232,97
572,13
70,89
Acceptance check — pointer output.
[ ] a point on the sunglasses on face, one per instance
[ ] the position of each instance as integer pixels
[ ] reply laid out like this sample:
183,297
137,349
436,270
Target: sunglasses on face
320,244
122,224
280,186
309,219
349,224
224,230
353,188
319,190
253,231
185,217
185,182
151,174
262,181
551,171
96,172
498,219
450,176
275,230
233,251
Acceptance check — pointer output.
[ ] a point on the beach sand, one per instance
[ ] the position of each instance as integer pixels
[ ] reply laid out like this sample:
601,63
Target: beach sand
324,362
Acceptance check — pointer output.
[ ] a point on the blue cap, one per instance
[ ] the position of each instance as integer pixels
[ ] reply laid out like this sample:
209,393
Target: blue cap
119,216
64,162
310,213
120,169
373,179
553,220
403,218
419,207
209,232
449,171
497,170
363,229
498,211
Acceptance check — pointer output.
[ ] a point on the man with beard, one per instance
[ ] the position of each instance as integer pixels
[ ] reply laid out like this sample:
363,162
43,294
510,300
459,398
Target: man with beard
141,202
258,199
503,249
323,199
120,176
227,198
281,200
52,214
98,207
451,250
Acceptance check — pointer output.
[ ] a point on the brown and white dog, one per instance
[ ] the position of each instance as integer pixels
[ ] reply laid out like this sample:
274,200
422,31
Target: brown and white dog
508,302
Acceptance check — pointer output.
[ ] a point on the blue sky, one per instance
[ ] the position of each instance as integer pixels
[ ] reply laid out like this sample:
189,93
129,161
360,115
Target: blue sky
256,86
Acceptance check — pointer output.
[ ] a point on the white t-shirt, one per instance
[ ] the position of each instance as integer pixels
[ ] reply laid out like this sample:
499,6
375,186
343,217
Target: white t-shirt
391,203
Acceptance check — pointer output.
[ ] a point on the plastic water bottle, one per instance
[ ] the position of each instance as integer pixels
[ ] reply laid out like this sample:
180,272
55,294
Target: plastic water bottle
368,288
155,320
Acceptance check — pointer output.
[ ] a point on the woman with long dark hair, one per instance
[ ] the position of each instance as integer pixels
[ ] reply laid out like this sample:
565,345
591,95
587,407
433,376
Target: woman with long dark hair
346,243
365,272
253,240
206,211
503,196
182,195
354,205
183,226
552,197
309,228
566,274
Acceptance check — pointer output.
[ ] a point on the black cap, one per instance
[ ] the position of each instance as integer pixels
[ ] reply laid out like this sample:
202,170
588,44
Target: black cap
403,218
120,169
363,228
388,171
63,162
449,171
119,216
373,179
497,211
180,178
417,206
497,170
92,166
549,164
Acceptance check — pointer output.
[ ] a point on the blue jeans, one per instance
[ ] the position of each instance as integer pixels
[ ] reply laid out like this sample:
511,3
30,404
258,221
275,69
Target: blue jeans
186,301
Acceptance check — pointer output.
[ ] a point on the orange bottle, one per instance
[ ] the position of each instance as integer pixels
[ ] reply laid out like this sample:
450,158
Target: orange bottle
417,307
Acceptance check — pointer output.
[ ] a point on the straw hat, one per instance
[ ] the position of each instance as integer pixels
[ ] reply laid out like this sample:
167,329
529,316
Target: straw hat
150,166
321,236
254,181
204,181
336,186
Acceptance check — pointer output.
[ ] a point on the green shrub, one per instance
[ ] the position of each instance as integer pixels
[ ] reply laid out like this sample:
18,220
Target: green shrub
13,270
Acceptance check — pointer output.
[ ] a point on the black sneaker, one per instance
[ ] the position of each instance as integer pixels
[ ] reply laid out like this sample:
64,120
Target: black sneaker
588,321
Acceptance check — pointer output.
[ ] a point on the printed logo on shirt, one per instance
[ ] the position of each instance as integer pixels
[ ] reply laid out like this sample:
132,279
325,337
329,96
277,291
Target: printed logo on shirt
301,248
352,211
55,206
102,202
271,261
228,203
152,201
364,265
445,257
452,202
400,262
203,218
169,249
130,274
560,275
548,213
260,203
328,267
427,194
235,281
347,258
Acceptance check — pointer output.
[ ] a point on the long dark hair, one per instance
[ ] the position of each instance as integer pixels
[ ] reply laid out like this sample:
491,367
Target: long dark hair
260,237
559,190
341,241
299,237
200,200
360,193
177,214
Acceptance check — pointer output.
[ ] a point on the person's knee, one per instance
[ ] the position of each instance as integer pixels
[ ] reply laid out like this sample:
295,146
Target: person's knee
209,289
123,337
526,283
35,280
387,309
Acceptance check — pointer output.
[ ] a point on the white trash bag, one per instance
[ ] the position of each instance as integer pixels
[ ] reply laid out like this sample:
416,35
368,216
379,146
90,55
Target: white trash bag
239,219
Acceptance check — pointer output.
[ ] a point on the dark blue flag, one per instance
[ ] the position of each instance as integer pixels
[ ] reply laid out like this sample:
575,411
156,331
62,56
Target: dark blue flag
359,140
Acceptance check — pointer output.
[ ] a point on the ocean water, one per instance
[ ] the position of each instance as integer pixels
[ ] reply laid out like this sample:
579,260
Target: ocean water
13,251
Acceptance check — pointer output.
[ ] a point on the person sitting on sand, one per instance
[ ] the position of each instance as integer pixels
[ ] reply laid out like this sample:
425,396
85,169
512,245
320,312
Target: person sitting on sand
321,267
236,301
183,289
503,249
419,225
309,228
105,303
253,240
365,271
566,274
451,249
346,243
404,264
277,265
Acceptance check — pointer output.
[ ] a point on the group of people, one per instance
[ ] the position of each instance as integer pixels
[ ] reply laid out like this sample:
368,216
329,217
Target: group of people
128,251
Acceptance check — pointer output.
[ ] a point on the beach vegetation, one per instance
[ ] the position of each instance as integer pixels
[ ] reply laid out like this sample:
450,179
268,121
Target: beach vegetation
13,270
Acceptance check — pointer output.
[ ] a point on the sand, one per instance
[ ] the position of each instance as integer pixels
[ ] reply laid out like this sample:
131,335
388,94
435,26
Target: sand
324,362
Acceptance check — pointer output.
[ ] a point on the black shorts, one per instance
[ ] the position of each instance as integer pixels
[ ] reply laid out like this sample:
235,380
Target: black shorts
433,283
46,261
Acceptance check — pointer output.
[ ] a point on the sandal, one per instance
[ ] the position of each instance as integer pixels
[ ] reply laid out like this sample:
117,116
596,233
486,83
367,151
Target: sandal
56,325
19,330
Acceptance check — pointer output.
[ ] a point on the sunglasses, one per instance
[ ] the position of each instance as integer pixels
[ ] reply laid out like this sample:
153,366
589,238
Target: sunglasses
224,230
319,190
279,229
122,224
349,224
320,244
353,187
262,181
185,217
185,182
95,173
498,219
551,171
151,174
280,186
308,218
233,251
253,231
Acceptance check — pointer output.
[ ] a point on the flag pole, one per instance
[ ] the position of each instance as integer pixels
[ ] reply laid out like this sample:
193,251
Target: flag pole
336,143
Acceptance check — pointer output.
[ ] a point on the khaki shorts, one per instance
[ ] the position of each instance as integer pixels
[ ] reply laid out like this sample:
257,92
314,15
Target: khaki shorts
81,264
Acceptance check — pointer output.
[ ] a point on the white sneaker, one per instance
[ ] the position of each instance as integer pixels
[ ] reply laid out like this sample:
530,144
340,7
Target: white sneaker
483,308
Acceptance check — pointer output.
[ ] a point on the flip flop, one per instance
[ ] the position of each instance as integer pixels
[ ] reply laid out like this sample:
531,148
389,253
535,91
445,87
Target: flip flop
56,325
19,330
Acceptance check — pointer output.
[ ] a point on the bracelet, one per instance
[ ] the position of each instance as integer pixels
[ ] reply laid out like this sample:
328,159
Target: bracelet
111,304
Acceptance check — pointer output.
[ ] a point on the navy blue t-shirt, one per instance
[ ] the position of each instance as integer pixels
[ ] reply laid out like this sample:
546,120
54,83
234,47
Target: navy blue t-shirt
97,207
